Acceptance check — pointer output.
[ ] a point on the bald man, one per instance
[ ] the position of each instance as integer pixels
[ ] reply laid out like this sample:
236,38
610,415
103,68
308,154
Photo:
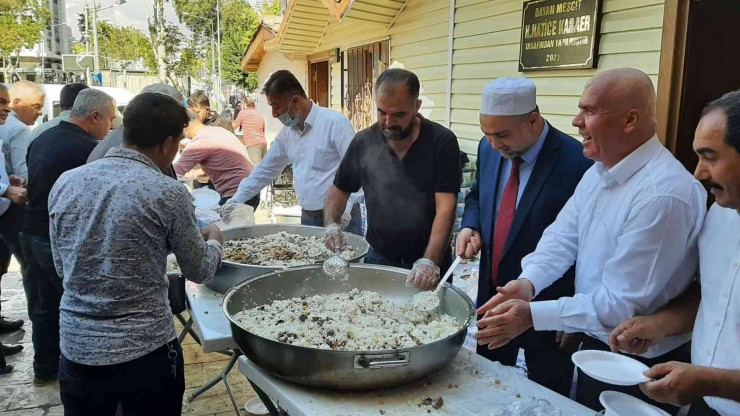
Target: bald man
630,228
26,105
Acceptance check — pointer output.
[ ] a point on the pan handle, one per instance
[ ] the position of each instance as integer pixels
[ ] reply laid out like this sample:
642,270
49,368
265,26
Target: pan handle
398,359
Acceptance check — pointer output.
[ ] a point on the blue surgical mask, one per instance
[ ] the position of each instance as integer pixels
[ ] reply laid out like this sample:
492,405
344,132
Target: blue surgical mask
287,120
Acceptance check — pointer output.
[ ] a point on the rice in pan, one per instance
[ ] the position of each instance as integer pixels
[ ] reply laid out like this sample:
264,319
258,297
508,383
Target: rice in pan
354,321
280,250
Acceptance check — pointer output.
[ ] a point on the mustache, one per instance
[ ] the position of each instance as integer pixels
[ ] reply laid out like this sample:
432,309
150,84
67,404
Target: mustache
709,185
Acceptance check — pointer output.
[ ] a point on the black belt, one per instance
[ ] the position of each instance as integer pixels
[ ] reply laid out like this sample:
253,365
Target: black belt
316,214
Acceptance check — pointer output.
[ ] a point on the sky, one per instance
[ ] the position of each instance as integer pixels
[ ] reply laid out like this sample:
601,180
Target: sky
131,13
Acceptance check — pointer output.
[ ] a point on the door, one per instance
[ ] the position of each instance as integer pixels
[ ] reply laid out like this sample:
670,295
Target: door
711,66
319,88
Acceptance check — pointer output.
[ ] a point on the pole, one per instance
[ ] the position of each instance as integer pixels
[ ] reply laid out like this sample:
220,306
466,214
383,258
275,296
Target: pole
87,29
213,54
218,32
95,37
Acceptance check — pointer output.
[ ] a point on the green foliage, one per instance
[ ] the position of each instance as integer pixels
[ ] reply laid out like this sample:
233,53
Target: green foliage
23,22
125,43
270,8
238,24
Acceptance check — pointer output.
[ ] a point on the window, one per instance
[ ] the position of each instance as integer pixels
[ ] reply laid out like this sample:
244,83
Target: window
362,66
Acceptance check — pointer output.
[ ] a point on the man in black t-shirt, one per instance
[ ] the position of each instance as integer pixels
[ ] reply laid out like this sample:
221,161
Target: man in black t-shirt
409,169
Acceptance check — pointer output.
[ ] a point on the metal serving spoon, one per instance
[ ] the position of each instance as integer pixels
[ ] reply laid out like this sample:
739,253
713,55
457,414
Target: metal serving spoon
336,266
429,300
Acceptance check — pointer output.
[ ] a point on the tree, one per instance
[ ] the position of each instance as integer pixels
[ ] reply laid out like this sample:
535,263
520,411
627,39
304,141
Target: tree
238,24
270,8
126,43
23,21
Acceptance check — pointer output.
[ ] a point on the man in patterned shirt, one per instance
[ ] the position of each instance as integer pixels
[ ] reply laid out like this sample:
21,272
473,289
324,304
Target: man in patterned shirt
112,224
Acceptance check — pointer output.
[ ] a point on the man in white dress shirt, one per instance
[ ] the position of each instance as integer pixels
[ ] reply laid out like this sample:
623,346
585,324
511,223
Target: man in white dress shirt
631,228
314,140
712,308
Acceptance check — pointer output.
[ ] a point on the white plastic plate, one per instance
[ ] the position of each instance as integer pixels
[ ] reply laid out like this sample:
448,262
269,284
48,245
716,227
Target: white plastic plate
620,404
610,367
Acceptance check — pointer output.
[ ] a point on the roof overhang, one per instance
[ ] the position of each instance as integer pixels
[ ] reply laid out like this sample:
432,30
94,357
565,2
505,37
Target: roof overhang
256,48
305,21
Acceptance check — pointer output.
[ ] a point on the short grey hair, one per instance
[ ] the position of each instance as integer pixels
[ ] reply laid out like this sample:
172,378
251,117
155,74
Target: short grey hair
90,100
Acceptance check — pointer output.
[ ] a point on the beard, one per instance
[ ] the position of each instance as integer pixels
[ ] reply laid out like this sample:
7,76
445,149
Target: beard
397,133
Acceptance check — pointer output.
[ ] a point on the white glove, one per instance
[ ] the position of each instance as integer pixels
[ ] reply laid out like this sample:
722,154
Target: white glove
346,218
333,237
424,275
228,209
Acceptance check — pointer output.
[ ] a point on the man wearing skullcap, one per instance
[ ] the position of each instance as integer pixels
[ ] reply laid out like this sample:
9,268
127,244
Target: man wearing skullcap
525,172
631,229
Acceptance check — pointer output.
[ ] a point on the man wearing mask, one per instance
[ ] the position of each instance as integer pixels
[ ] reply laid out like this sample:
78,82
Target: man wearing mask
112,224
525,172
13,191
199,102
66,101
409,168
57,150
314,140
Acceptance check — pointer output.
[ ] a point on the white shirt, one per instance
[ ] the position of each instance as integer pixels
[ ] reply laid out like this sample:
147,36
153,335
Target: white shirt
15,136
4,184
716,338
632,232
314,152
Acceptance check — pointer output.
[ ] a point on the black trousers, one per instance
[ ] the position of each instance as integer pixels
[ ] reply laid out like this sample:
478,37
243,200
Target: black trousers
254,202
589,389
151,385
44,290
10,227
701,408
547,364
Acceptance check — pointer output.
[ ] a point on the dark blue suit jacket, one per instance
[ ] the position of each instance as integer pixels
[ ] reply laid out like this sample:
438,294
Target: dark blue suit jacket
559,167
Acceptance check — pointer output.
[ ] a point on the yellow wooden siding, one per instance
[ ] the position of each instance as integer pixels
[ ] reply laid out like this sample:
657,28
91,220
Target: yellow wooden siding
336,86
419,42
486,46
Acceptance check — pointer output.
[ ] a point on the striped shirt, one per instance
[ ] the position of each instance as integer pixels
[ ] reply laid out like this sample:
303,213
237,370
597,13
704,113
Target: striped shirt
252,125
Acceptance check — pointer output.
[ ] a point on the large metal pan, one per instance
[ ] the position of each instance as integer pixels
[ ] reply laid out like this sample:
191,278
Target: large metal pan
345,370
232,273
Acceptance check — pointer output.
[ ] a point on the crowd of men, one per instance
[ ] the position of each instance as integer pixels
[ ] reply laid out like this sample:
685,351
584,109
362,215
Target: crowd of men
603,245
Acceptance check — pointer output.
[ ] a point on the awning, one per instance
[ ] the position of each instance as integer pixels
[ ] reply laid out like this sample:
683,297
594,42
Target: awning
305,22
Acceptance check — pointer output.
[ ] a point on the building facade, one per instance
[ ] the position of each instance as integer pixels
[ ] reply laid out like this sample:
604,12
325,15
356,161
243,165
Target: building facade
456,46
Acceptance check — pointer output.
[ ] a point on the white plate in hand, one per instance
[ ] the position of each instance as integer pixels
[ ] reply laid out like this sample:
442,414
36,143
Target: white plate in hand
610,367
620,404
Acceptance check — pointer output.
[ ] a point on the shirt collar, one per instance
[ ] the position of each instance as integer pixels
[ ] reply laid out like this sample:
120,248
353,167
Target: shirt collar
72,126
530,156
126,153
310,119
622,171
65,113
17,117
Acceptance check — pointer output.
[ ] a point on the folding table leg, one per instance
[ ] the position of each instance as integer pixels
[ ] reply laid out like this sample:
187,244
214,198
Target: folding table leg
221,377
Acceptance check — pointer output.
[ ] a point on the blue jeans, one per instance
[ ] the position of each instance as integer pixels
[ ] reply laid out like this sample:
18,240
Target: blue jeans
145,386
44,290
354,227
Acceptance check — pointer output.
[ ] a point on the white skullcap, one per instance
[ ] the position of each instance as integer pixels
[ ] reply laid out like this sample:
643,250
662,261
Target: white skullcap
509,97
164,89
